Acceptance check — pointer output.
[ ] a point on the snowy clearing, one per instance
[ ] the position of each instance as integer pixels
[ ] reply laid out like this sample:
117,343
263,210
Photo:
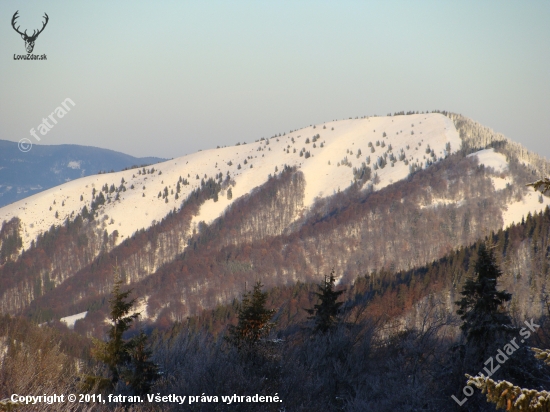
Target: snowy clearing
490,158
70,320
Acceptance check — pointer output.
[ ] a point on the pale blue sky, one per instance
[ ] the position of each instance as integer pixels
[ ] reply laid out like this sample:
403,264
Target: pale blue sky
166,78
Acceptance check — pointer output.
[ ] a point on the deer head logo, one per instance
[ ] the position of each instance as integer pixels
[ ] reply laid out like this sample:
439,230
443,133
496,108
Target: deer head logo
29,40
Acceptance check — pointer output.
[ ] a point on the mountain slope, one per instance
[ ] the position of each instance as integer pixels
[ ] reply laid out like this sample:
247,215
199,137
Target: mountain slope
43,167
185,244
249,165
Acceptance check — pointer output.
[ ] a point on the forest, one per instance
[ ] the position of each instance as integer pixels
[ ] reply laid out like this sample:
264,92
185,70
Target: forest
390,344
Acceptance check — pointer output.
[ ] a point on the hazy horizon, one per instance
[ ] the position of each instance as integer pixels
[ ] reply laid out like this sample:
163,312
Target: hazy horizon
168,78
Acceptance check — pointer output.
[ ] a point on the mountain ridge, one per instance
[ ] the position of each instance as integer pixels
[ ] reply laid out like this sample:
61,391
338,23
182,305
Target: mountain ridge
338,155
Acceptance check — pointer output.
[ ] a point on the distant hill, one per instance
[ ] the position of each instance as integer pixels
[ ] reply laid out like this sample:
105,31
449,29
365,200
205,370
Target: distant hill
43,167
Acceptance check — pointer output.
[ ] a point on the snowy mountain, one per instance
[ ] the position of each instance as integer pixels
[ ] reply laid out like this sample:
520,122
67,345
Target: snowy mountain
326,154
187,233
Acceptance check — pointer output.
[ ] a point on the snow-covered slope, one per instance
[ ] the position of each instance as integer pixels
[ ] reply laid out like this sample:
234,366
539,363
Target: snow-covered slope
532,202
23,174
490,158
339,146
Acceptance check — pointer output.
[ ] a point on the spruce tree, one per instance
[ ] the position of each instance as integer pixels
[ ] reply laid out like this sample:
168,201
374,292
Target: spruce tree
115,353
142,371
254,319
481,307
325,313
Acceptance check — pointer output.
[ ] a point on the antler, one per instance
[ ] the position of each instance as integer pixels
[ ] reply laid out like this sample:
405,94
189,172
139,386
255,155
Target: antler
15,16
43,27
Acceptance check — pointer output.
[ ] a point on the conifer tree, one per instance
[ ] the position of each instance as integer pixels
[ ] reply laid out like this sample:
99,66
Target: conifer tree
254,319
481,306
115,353
142,371
325,313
